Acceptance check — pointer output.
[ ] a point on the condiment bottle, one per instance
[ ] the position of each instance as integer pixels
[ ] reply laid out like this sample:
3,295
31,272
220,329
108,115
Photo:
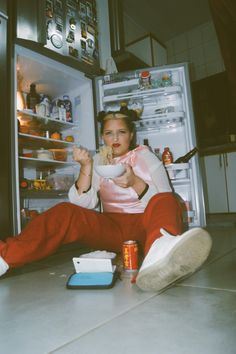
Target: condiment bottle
32,98
146,142
68,107
157,152
145,80
123,107
167,156
167,79
61,111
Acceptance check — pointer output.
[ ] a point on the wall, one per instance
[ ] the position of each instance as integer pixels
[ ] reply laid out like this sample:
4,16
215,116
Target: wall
199,47
132,30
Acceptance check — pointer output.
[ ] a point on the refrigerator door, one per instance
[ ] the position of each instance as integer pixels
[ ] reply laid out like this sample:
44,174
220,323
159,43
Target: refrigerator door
162,98
6,223
45,134
67,27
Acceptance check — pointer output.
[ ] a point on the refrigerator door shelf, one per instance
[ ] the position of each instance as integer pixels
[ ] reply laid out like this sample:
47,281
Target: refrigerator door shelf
167,115
178,171
157,123
143,93
133,83
180,182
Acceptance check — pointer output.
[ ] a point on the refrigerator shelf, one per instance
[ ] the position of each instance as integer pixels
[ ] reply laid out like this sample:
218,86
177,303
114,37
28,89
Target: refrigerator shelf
48,194
143,93
30,162
169,115
37,142
46,122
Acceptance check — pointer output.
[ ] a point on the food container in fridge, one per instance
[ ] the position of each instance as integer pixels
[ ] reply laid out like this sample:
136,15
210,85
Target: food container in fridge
61,182
43,154
59,154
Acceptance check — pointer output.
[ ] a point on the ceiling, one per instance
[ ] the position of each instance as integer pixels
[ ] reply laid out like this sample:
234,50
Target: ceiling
167,18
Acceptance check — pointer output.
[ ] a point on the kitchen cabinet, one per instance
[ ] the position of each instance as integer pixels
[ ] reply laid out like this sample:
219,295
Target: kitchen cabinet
3,7
214,111
149,50
220,176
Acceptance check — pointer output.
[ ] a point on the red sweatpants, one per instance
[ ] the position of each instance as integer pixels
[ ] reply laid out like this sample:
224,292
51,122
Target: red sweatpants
66,222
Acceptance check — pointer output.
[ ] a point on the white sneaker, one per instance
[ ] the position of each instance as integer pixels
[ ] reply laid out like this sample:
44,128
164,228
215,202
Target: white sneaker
3,266
173,257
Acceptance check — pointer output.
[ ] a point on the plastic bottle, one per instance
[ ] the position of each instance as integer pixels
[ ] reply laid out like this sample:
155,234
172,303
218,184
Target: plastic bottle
46,102
145,80
146,142
123,107
32,98
55,110
185,158
167,156
61,110
68,107
157,152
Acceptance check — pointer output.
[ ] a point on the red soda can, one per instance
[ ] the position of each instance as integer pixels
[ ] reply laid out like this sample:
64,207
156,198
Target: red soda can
130,256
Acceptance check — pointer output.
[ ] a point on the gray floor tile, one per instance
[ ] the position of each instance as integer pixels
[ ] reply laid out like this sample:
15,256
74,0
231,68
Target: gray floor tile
224,241
38,314
179,321
220,274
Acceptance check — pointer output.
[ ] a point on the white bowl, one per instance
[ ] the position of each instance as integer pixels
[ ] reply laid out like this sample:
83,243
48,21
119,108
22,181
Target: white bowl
110,171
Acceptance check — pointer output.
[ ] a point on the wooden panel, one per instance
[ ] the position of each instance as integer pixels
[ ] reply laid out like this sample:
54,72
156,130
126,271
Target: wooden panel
212,108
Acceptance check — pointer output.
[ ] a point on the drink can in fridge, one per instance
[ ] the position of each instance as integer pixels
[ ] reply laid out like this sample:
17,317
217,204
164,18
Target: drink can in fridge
130,256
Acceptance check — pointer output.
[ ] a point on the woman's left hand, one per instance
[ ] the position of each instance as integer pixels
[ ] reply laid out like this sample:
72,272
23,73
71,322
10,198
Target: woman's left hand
127,179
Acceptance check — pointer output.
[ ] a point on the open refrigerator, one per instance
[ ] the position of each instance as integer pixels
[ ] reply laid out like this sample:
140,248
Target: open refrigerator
43,144
42,179
163,102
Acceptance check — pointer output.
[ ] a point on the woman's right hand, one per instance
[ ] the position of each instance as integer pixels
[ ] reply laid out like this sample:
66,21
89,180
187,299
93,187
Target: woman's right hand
82,156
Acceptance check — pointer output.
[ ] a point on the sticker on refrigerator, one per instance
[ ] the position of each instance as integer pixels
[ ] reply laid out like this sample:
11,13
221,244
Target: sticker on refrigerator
49,9
83,30
82,10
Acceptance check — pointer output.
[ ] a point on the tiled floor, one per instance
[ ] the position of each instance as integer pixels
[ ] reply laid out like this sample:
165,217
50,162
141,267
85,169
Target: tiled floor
197,316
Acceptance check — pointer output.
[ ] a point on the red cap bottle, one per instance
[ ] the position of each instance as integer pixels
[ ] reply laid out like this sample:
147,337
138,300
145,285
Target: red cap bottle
167,156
